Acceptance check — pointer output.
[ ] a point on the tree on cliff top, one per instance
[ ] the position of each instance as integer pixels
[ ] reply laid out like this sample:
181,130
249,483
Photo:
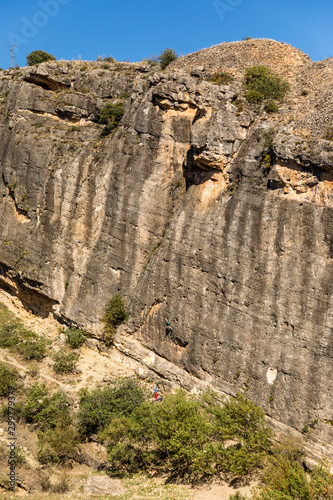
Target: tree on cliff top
39,56
166,57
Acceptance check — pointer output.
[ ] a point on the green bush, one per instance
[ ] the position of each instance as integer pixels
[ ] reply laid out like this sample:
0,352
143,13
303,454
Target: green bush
254,96
58,445
39,56
166,57
284,477
110,116
261,83
115,314
100,406
75,337
238,496
33,349
271,106
8,377
221,78
187,437
65,363
34,403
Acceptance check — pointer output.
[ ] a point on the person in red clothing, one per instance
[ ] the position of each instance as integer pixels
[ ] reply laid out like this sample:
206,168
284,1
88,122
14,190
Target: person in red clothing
155,394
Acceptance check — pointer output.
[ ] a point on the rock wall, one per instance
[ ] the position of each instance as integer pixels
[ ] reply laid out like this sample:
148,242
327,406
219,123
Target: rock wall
178,211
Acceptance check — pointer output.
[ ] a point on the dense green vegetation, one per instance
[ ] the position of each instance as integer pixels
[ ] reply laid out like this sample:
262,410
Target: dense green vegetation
166,57
110,116
262,84
185,437
99,406
57,436
284,477
115,314
39,56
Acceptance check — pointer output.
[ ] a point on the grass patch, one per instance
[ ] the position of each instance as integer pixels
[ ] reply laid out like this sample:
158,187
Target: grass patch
65,362
14,336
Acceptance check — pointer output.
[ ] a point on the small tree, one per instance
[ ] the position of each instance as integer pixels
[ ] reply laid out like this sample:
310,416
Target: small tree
39,56
100,406
115,314
166,57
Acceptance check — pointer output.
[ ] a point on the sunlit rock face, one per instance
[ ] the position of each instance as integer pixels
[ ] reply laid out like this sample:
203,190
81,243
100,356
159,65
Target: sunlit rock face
179,211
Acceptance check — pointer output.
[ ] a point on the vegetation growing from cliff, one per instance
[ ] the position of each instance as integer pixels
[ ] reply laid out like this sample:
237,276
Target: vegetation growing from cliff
39,56
110,116
115,314
190,438
262,84
267,148
166,57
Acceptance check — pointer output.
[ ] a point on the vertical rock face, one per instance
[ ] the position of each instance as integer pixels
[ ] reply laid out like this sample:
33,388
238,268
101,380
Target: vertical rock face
178,212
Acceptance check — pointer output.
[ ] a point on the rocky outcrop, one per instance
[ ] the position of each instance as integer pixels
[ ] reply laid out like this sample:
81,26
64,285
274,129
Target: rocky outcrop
179,211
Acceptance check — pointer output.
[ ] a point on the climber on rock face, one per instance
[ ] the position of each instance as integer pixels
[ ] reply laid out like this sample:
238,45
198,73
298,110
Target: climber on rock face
168,328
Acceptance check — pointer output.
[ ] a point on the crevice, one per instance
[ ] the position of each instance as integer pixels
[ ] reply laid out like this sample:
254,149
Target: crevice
27,290
46,82
20,211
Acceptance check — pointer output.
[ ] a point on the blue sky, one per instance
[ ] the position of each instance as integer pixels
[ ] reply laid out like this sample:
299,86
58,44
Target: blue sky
131,30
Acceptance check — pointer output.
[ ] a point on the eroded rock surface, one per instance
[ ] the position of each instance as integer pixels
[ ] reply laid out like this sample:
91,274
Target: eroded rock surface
178,211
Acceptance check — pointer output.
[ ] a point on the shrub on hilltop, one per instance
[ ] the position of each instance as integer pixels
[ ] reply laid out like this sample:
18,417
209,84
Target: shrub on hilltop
39,56
166,57
262,84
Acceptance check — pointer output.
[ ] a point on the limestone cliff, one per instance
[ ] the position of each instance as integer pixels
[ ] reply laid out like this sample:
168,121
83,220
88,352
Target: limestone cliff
178,212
